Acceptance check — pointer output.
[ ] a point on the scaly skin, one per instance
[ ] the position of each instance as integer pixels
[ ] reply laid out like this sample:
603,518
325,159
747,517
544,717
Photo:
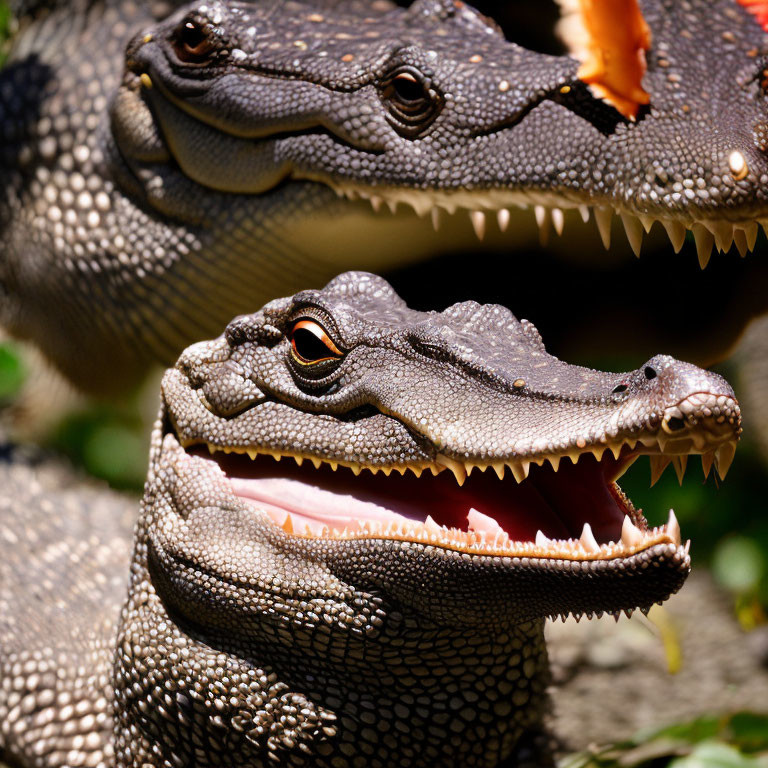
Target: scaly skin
130,203
251,635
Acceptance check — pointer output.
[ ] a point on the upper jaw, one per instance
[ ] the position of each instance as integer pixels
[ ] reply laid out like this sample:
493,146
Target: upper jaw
624,543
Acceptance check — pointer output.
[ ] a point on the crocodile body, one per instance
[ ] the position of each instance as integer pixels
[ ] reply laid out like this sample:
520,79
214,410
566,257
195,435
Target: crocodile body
142,183
377,597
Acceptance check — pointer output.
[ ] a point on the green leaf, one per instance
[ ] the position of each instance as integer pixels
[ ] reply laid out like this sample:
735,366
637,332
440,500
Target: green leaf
713,754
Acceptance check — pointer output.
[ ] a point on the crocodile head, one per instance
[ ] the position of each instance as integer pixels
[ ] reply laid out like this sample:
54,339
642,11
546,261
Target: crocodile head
449,447
376,507
432,107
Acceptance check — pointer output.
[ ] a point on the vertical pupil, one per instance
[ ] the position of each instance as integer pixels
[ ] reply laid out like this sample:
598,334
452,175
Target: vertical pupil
308,346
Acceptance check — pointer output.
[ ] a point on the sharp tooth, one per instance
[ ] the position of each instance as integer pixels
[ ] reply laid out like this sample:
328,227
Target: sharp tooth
459,472
435,216
707,459
723,232
646,221
615,449
603,220
542,220
673,528
658,465
299,460
554,461
634,232
478,222
588,540
750,230
541,540
376,203
334,465
211,449
392,205
724,455
518,472
584,211
288,523
675,232
558,220
252,453
502,217
317,462
740,238
416,470
680,463
598,451
499,468
704,243
479,522
431,525
631,536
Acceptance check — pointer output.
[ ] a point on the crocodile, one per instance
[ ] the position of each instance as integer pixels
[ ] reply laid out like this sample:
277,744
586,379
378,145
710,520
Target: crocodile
356,518
153,164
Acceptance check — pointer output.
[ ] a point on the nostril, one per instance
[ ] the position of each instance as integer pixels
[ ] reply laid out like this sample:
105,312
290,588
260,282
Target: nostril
619,388
650,373
675,423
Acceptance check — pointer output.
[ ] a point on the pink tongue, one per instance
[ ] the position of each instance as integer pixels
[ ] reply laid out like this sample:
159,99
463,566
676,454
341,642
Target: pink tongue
311,506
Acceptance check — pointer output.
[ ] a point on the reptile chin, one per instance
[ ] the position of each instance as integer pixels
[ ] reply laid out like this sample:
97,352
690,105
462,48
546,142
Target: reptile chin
557,508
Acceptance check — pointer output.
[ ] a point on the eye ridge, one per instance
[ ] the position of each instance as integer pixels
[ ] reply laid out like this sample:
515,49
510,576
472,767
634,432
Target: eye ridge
412,104
311,344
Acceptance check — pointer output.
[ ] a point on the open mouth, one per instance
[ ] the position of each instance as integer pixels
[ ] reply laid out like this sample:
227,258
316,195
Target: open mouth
566,507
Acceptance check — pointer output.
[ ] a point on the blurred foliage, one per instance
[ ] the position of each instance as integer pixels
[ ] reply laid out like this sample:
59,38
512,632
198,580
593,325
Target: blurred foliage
12,372
5,27
107,442
729,741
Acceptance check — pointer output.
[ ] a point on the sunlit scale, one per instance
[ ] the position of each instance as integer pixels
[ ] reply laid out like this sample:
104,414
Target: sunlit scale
551,507
549,212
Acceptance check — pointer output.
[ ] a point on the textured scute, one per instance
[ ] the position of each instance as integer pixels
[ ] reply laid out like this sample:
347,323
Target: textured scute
64,559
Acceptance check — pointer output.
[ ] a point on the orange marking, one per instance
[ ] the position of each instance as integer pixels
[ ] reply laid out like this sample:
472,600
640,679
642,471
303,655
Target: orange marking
759,9
615,61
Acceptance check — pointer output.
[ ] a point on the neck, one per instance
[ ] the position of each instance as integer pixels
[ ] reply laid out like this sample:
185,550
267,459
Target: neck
322,686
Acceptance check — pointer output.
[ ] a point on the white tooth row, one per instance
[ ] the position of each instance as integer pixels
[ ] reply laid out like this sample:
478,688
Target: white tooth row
460,469
498,542
707,234
721,457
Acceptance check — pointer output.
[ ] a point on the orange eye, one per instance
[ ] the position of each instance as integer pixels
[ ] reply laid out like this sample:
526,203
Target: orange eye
311,344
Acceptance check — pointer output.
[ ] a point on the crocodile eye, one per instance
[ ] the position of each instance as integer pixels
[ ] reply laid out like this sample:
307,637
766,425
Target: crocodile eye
193,43
411,102
311,344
